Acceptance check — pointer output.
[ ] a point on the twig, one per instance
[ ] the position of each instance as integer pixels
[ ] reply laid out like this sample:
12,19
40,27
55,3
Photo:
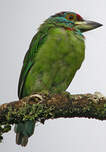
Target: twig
41,106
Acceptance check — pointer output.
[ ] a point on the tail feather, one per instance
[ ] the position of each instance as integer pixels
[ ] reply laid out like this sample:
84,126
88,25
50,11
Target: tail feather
23,132
18,138
21,139
24,141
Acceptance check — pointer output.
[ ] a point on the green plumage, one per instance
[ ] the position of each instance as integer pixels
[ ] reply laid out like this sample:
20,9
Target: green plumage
55,54
55,63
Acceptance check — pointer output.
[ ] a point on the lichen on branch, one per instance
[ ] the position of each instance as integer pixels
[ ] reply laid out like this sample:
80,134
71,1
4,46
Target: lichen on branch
44,106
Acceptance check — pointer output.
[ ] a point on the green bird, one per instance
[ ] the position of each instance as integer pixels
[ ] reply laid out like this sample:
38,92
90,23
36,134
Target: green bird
55,54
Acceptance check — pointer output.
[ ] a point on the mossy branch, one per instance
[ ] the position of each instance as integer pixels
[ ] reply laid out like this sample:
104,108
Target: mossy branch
41,106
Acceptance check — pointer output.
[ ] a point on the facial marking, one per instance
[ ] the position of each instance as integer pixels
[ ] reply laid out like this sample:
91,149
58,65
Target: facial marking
79,18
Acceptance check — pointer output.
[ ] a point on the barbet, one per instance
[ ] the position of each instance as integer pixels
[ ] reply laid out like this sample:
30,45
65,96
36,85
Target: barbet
55,54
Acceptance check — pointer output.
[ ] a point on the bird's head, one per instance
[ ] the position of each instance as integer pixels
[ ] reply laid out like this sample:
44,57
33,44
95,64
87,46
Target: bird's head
73,21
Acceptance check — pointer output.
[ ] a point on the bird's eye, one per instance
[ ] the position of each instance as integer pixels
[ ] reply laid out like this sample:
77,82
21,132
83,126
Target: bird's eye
71,17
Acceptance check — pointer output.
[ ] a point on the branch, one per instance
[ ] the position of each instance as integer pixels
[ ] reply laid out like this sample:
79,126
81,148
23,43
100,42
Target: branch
43,106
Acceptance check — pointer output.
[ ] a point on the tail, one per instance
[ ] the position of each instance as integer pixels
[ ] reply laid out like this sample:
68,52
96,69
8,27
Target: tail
24,131
21,139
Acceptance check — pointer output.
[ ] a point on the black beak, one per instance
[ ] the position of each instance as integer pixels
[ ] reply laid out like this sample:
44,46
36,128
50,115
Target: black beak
86,25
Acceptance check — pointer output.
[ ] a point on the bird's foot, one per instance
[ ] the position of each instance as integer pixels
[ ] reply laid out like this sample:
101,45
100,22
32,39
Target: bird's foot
68,95
39,95
36,96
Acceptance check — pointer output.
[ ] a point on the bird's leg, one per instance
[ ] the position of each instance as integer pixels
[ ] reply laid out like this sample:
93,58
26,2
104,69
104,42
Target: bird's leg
37,96
68,95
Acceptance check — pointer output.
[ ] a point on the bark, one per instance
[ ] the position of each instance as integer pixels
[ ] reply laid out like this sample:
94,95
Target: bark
44,106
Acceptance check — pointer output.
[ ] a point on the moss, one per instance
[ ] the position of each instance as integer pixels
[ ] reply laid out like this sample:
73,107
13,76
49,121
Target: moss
38,112
3,129
105,106
51,107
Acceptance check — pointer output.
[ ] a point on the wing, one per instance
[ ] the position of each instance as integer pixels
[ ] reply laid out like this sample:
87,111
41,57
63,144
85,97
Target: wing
36,42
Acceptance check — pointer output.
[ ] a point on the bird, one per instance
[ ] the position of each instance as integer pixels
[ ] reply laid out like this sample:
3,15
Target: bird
55,54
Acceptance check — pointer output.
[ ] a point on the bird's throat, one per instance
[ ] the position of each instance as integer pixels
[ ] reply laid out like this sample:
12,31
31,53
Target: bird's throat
69,28
75,30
